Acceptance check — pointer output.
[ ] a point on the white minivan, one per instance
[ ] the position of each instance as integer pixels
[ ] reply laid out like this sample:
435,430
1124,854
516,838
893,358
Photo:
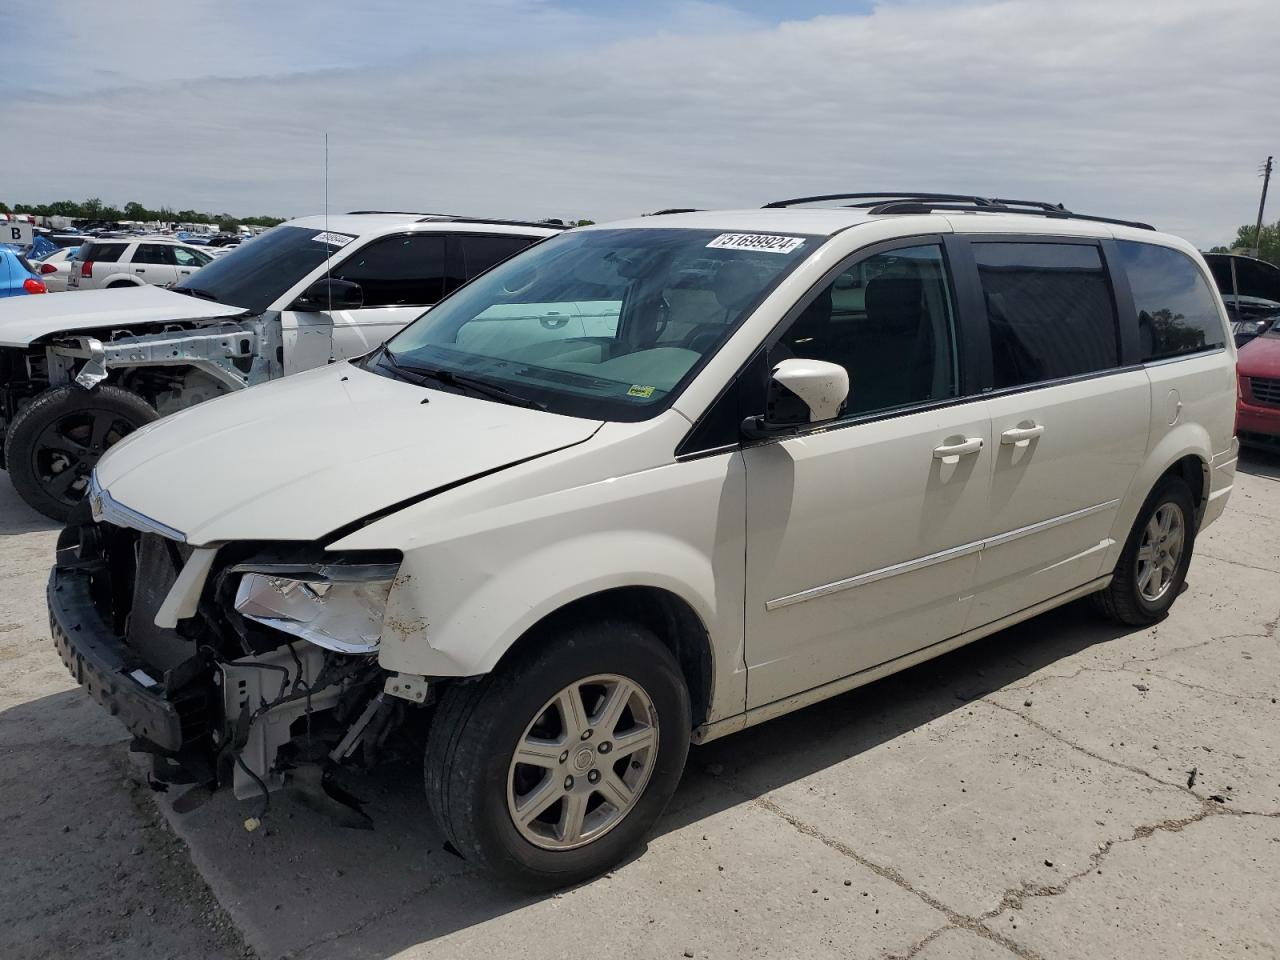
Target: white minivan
649,483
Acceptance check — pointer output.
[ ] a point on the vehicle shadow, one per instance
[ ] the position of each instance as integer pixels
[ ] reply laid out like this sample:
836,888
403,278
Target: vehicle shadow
1259,463
16,516
302,885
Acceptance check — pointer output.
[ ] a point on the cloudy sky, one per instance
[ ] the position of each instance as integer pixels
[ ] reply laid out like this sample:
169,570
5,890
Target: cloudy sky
1152,109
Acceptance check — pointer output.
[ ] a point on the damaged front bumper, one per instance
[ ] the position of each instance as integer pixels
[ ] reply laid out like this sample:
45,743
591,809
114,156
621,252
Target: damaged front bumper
113,675
149,626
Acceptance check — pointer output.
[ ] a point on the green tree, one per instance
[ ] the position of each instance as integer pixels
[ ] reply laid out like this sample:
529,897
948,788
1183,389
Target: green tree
133,210
1268,248
228,225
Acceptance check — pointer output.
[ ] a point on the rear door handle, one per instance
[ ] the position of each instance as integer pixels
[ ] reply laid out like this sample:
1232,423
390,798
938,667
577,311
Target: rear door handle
1021,436
138,270
954,451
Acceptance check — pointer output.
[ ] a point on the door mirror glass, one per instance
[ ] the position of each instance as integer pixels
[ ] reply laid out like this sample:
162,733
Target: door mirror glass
800,392
330,294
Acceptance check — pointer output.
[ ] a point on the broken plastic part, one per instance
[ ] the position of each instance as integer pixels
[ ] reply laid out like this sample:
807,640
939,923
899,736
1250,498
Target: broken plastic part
345,616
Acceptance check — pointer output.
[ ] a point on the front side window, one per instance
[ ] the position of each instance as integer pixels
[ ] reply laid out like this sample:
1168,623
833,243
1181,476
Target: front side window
609,324
888,321
1049,310
398,271
189,258
1177,313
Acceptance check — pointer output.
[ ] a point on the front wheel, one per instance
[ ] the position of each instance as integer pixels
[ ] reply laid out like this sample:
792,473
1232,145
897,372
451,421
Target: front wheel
554,768
1153,565
55,441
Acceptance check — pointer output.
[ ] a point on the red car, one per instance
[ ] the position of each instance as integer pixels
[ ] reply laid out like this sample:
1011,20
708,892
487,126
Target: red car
1258,409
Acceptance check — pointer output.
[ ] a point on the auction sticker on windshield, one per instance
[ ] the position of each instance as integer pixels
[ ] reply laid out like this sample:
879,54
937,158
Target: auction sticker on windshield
764,242
333,239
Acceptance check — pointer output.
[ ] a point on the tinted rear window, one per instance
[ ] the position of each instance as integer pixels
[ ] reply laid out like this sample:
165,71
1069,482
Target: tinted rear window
1050,311
1177,312
100,252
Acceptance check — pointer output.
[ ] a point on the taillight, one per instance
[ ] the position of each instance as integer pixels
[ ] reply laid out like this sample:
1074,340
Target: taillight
48,268
86,268
32,285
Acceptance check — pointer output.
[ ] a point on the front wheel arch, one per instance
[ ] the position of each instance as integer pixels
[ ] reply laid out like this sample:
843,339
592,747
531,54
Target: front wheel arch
667,615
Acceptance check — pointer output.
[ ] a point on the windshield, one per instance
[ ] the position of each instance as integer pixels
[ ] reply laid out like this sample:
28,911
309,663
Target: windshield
608,324
253,275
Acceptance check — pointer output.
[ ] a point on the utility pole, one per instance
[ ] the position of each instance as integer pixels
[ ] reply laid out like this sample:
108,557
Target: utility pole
1257,231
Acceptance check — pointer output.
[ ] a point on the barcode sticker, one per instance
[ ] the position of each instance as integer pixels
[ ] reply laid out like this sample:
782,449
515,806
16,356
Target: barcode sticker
333,239
765,242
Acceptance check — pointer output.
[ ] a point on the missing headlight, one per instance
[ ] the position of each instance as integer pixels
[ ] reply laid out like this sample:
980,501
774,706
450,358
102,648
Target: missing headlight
338,608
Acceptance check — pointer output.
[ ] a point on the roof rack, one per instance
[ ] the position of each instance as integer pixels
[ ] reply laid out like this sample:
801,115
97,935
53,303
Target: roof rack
882,202
449,218
394,213
661,213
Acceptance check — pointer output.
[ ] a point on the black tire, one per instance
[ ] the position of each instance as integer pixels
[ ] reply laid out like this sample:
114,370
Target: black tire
478,725
1123,601
50,446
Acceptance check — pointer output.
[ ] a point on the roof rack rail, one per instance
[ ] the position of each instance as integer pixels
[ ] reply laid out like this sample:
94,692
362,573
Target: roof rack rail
888,202
662,213
396,213
496,221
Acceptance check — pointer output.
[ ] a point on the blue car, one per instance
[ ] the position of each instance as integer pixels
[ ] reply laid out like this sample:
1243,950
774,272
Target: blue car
16,276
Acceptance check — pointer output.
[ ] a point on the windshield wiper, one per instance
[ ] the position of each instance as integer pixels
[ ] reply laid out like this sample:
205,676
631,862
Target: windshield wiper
196,292
462,381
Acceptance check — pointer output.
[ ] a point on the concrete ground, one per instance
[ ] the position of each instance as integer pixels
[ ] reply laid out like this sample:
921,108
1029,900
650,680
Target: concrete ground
1063,789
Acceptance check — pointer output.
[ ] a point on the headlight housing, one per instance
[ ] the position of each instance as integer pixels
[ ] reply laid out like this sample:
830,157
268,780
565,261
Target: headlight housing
336,606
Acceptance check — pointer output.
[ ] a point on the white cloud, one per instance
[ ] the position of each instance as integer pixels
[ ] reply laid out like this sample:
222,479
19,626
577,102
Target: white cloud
1154,109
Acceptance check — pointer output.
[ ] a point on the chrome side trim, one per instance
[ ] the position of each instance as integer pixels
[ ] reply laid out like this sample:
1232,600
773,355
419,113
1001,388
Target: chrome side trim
749,718
107,509
1031,528
873,575
951,553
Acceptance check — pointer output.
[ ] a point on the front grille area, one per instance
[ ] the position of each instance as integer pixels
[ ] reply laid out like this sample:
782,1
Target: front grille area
1265,390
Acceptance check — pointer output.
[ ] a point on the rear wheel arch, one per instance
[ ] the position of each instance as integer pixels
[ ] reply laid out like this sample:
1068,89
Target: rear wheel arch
667,615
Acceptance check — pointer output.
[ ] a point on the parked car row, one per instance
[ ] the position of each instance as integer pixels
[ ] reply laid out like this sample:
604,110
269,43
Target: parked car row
639,485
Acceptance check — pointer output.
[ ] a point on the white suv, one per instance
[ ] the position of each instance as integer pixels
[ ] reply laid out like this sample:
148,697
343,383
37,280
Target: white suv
77,375
100,264
792,450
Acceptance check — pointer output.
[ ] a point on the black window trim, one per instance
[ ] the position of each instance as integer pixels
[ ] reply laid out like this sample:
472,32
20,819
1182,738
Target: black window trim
964,355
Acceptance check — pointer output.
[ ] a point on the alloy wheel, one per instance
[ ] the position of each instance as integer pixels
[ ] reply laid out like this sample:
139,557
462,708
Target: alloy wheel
583,762
67,450
1160,551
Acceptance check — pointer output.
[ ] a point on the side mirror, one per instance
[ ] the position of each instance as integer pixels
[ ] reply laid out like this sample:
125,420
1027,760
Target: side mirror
800,392
326,293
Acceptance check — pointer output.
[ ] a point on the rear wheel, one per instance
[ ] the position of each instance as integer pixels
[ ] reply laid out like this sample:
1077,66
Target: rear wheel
56,440
554,768
1153,567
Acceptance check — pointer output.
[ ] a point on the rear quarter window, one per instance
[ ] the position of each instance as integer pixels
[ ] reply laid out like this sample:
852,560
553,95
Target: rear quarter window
100,252
1177,312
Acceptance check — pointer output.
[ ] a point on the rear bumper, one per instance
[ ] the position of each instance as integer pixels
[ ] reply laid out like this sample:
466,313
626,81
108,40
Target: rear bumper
101,662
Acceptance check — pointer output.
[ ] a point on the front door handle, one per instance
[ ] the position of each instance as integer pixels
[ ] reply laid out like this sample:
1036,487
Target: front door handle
954,451
1021,436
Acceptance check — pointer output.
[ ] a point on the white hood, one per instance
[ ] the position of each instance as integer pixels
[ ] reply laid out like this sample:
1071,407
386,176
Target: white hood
297,458
25,319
